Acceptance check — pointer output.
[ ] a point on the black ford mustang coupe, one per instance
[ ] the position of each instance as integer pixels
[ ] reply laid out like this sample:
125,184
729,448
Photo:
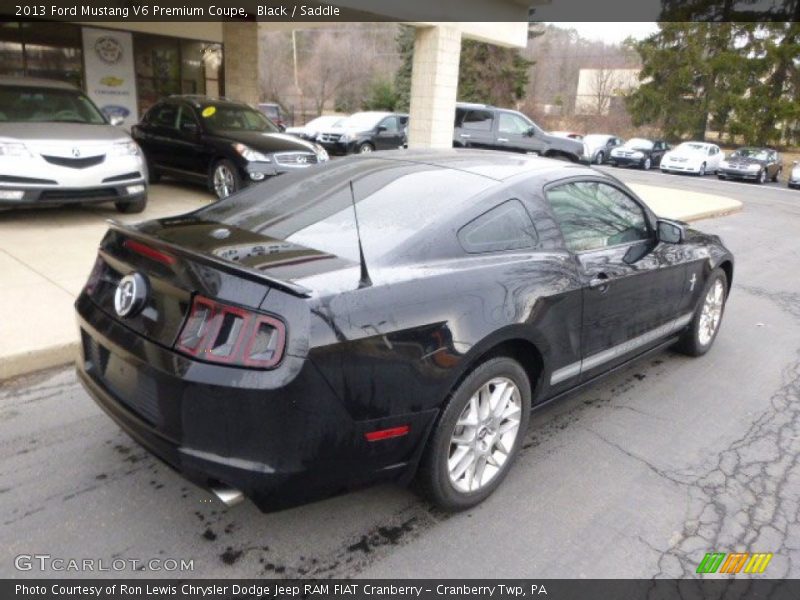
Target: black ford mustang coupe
384,317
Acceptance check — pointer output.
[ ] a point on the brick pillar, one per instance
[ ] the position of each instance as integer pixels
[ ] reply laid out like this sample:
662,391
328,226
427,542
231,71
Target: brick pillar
434,86
240,41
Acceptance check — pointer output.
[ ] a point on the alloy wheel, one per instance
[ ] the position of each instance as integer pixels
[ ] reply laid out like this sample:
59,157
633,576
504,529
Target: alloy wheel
647,164
702,170
365,149
599,158
762,176
484,435
711,313
223,181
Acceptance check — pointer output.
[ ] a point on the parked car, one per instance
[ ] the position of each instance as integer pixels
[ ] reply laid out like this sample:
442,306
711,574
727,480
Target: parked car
274,113
365,132
57,147
758,164
599,146
567,134
226,145
484,126
265,348
312,129
639,152
794,176
488,127
697,158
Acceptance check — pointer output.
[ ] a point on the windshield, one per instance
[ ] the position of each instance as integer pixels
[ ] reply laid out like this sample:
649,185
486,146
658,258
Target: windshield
691,147
395,200
757,153
362,121
235,117
594,138
639,143
24,104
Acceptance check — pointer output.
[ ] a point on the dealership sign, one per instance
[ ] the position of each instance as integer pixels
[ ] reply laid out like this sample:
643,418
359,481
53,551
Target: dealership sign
110,75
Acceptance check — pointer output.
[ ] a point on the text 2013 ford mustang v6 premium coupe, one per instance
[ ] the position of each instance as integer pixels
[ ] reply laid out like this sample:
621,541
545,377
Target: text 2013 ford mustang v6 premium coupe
264,347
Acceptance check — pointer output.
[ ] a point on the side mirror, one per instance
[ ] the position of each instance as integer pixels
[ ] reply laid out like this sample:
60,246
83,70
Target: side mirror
670,232
381,128
281,127
116,120
531,132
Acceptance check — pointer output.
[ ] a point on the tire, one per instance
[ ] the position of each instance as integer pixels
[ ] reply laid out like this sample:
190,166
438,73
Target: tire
444,487
697,340
131,207
224,179
762,176
600,158
721,176
365,148
702,171
647,164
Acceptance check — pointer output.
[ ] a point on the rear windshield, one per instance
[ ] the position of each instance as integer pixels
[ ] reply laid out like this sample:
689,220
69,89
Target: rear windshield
394,200
23,104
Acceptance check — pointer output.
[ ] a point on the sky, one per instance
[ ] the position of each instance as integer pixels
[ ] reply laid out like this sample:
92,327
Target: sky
611,32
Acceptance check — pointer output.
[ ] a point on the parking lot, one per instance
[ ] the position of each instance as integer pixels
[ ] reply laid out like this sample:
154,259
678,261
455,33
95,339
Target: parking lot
639,476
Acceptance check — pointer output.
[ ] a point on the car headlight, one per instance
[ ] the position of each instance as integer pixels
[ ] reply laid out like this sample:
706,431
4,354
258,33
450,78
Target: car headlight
754,167
322,155
637,155
124,149
250,155
346,137
16,149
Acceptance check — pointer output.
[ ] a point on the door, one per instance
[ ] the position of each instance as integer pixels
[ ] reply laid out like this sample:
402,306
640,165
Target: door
714,156
158,134
515,133
389,135
476,129
189,148
632,284
659,149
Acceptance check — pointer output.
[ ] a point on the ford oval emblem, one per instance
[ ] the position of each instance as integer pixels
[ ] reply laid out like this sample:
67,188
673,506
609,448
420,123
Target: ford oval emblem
221,233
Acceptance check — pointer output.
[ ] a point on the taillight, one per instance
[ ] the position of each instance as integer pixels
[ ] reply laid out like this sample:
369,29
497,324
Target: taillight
228,334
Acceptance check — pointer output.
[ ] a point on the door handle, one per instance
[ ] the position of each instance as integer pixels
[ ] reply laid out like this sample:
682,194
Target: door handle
502,139
599,282
465,135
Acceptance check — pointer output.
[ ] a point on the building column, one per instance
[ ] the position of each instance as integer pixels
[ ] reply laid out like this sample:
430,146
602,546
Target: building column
240,40
434,86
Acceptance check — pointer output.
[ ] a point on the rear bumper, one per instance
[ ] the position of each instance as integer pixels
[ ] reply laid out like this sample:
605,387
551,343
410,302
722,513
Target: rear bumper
281,440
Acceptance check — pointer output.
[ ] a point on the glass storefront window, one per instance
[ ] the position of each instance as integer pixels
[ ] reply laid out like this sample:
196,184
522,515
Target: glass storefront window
158,68
11,59
50,62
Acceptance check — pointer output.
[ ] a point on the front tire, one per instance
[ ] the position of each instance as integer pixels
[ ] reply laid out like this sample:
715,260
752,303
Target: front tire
224,178
130,207
478,435
600,158
702,171
704,326
647,164
365,148
762,176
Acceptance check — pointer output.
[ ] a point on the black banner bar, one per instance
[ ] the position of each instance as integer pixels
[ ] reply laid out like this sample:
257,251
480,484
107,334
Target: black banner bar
419,589
300,11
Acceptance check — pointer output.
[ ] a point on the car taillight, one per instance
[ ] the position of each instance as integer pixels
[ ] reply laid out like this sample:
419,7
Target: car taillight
231,335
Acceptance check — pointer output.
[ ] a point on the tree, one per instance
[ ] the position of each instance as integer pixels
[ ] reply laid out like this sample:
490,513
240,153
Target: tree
488,73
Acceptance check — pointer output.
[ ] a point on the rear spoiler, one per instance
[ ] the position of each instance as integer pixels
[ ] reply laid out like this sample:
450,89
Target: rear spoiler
212,260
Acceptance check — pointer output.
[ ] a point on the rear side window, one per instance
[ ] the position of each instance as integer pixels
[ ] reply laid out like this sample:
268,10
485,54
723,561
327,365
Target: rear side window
478,120
507,226
163,115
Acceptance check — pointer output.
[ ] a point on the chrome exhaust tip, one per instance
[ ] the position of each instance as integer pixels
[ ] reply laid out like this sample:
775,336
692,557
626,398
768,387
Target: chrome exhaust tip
228,495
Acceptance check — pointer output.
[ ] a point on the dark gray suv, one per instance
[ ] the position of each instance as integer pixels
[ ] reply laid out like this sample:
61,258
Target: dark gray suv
484,126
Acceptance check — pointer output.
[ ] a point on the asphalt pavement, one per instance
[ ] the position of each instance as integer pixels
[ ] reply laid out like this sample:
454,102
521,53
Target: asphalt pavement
638,476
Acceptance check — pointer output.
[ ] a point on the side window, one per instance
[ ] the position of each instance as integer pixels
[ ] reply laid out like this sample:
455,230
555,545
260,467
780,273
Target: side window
163,115
594,215
507,226
390,123
511,123
478,120
657,146
185,117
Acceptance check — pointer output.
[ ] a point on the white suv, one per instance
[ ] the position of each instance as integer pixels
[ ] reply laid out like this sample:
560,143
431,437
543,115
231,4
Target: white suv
56,147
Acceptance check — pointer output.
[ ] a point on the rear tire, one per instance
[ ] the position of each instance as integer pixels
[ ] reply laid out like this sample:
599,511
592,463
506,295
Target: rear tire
478,435
130,207
702,331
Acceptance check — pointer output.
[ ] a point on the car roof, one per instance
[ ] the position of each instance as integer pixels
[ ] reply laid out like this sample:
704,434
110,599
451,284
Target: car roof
8,80
492,164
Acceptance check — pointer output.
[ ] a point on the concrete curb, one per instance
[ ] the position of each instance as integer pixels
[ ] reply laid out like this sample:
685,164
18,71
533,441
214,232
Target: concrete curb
711,214
25,363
